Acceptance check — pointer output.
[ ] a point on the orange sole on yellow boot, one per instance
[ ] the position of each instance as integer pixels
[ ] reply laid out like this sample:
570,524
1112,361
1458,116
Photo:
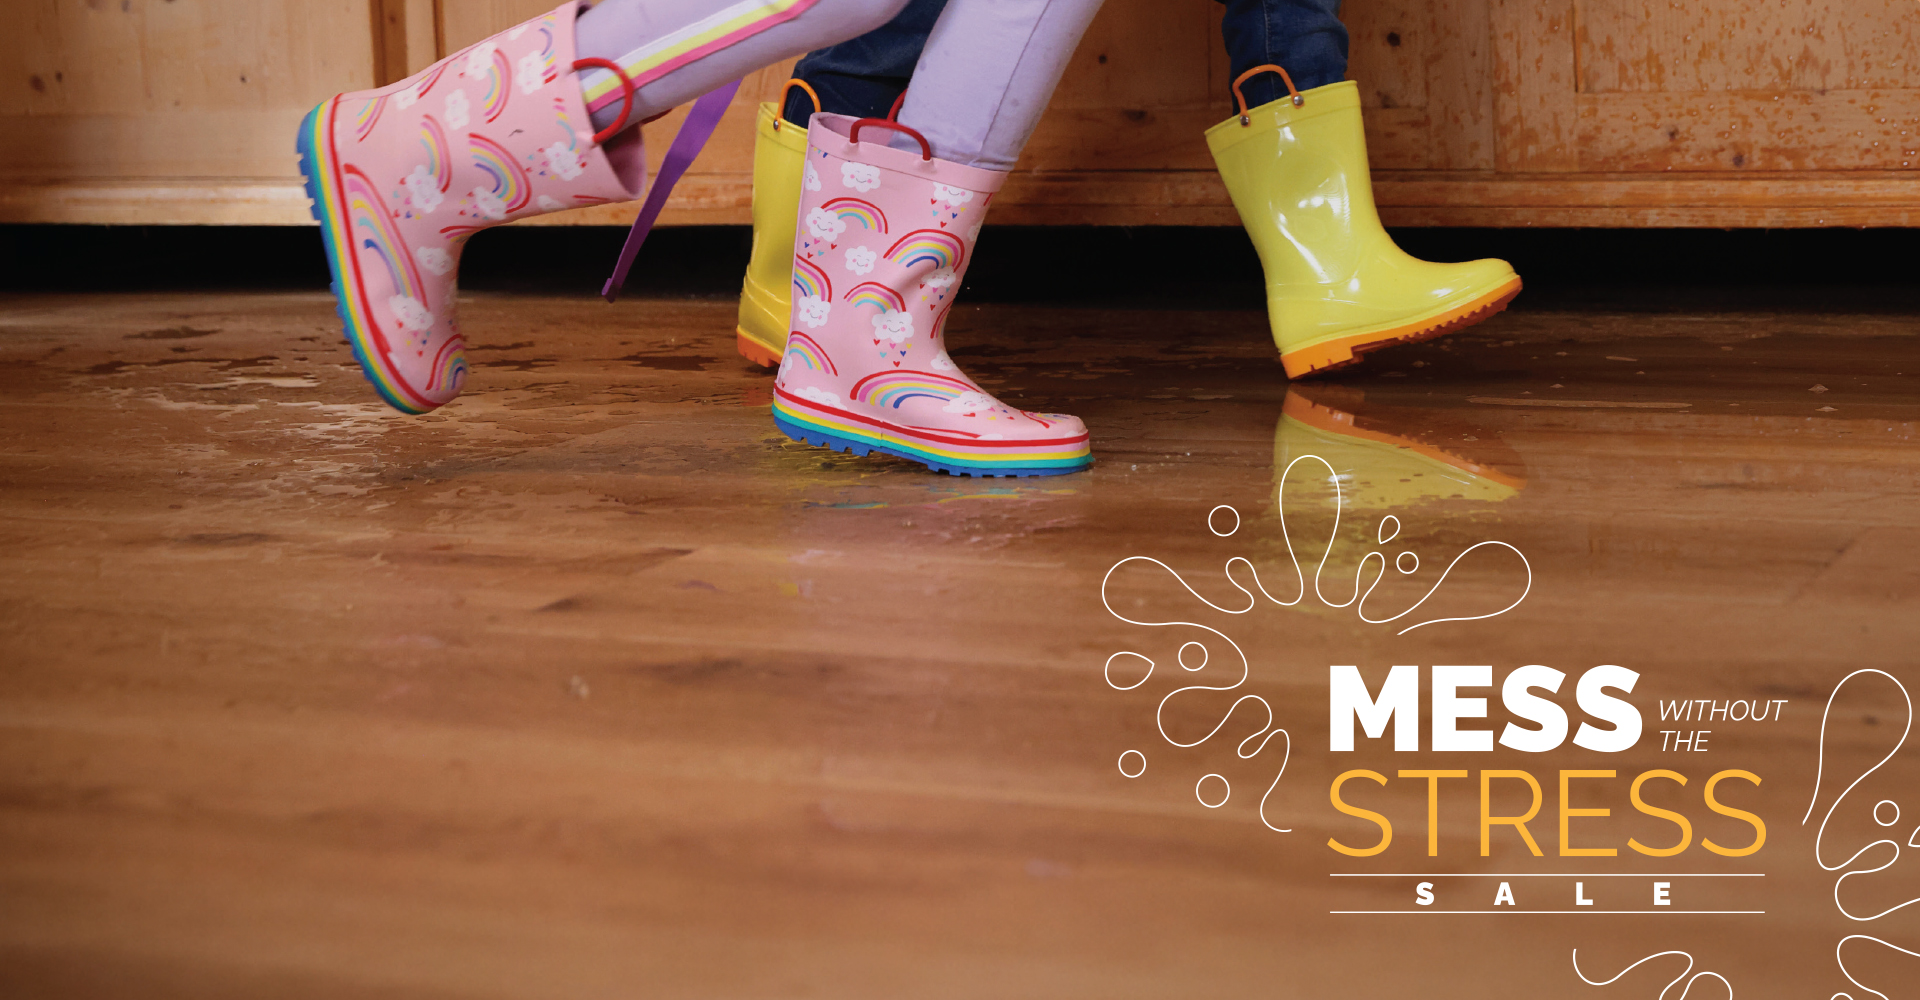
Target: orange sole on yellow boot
755,351
1345,351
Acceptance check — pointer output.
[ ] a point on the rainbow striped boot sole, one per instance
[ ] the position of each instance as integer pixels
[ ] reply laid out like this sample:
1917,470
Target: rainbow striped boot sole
947,452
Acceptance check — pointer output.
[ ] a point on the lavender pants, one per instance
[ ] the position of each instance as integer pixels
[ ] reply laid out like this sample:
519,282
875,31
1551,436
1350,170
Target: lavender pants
978,91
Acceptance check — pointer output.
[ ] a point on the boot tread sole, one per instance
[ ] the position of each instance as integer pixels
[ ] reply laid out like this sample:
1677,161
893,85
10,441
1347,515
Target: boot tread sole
833,442
1346,352
753,350
313,175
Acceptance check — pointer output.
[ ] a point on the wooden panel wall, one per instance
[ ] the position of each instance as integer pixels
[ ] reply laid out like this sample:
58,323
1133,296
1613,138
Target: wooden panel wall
191,103
464,22
1479,112
408,35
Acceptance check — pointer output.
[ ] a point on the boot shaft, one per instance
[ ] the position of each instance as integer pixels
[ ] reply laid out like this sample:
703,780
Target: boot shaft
779,154
1298,177
1337,286
883,229
884,239
493,133
401,176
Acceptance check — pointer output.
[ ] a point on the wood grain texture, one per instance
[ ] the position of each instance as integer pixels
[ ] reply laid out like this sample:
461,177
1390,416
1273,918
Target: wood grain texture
1791,130
1535,102
1491,96
426,42
1129,198
210,89
1460,86
390,43
464,22
591,685
162,202
1688,46
1389,49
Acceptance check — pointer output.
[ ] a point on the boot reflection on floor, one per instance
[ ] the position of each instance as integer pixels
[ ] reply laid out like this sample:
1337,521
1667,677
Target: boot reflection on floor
1387,455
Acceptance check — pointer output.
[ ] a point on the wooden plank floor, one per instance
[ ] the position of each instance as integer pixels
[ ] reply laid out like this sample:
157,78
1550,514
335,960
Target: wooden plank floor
593,685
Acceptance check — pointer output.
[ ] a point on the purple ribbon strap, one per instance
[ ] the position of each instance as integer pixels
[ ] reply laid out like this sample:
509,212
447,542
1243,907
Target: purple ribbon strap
693,135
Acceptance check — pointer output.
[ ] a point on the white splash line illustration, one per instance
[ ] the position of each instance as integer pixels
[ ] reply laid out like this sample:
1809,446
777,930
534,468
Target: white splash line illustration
1359,598
1268,730
1842,962
1819,855
1696,977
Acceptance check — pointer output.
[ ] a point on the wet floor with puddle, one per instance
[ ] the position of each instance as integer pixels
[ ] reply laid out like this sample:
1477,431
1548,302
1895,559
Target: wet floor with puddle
594,684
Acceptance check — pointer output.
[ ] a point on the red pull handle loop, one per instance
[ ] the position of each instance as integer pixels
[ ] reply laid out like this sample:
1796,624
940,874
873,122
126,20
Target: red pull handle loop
926,149
626,96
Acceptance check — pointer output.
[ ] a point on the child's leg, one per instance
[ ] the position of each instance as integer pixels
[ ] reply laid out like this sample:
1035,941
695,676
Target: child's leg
1304,36
676,50
988,71
862,77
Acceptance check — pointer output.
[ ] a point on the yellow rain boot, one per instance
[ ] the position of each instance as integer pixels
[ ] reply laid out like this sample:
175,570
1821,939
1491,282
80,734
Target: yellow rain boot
1337,286
779,157
1388,457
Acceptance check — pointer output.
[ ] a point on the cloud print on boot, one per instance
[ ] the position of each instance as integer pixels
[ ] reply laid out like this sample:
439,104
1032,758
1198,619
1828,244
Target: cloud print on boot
811,309
862,177
953,196
563,160
410,312
969,403
532,72
423,190
895,326
479,60
458,110
824,224
434,259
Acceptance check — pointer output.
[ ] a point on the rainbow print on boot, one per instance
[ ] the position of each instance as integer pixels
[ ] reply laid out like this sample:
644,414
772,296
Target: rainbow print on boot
401,176
865,368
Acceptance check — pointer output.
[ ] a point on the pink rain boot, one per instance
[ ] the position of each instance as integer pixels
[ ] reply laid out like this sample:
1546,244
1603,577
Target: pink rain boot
884,237
402,175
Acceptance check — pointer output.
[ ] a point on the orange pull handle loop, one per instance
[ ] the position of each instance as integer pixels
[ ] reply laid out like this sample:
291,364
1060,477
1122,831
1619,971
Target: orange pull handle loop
803,85
626,97
788,89
1298,101
893,113
926,150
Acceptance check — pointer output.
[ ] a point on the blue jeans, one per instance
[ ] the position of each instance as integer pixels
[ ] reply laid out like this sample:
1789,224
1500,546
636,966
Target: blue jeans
863,76
1304,36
